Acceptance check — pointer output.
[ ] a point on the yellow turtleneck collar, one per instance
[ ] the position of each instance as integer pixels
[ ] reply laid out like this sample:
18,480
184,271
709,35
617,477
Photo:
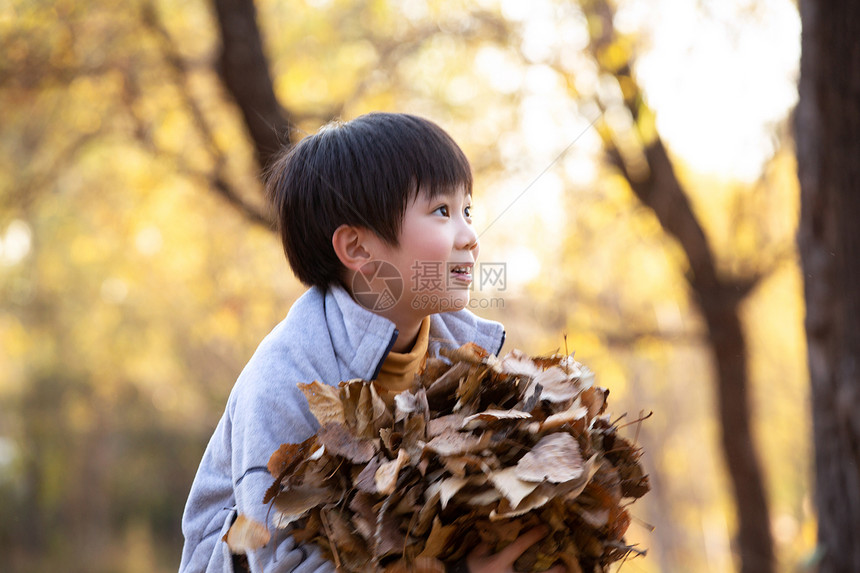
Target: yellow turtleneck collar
399,368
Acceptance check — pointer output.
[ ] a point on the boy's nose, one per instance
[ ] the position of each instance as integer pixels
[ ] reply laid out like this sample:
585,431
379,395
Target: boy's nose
468,237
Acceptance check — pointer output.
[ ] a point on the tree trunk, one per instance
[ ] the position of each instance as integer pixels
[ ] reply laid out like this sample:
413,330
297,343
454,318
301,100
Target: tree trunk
728,343
828,153
244,70
719,300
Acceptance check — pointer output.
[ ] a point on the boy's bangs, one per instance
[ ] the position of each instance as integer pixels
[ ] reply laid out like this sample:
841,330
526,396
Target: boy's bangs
438,166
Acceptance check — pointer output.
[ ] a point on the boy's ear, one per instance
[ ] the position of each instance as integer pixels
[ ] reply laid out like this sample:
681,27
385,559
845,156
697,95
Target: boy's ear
351,246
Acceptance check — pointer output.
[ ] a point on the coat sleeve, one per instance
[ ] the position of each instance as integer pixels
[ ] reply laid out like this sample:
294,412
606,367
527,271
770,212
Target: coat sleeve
269,410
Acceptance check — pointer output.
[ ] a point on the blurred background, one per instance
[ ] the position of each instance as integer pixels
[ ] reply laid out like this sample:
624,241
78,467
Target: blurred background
635,181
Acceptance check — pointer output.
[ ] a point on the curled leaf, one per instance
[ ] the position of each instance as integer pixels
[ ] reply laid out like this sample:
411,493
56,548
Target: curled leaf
556,458
481,419
246,535
556,384
293,504
454,443
386,475
510,485
341,442
324,402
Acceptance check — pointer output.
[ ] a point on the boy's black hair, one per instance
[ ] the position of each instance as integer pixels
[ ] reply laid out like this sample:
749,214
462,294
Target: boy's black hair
364,173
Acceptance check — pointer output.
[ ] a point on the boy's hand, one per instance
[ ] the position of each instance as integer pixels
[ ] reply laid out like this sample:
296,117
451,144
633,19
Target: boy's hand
479,560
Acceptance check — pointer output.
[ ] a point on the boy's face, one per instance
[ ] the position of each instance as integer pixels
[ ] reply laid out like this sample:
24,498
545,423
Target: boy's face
435,255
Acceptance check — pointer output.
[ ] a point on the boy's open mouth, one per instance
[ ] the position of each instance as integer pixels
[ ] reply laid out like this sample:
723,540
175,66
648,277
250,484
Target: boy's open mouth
462,272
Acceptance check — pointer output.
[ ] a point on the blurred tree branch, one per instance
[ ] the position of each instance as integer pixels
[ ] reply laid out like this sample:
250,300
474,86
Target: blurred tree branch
216,178
641,157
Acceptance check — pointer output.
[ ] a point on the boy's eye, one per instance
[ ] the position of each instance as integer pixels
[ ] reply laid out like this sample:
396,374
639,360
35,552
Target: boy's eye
442,210
468,212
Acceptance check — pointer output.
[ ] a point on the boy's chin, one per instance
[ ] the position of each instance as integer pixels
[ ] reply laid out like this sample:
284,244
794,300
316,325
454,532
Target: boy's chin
459,301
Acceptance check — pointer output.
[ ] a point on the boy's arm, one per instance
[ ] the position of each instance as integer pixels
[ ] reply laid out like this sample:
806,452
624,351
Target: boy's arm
267,414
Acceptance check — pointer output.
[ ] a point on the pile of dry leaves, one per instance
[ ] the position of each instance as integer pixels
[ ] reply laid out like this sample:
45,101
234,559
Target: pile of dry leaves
481,449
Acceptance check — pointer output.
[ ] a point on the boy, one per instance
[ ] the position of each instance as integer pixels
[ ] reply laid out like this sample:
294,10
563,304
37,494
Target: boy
361,207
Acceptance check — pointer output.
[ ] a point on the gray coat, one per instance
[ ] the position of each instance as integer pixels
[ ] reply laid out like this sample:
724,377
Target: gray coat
326,336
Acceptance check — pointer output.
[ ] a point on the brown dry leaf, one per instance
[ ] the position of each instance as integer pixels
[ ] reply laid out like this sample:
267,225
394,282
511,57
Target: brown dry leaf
447,488
532,501
575,412
556,385
531,396
288,455
498,535
386,475
246,535
284,461
310,527
387,539
340,532
486,497
426,514
391,440
469,352
338,440
519,363
408,504
596,517
586,376
382,417
556,458
619,521
456,465
363,516
470,387
481,419
350,394
454,443
442,389
606,484
324,402
437,540
594,399
551,360
293,504
316,469
404,404
572,489
540,556
414,436
364,415
422,465
511,486
427,565
432,369
442,424
366,479
634,482
625,457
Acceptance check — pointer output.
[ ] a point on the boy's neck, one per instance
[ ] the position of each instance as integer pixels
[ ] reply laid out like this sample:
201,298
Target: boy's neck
407,334
407,323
